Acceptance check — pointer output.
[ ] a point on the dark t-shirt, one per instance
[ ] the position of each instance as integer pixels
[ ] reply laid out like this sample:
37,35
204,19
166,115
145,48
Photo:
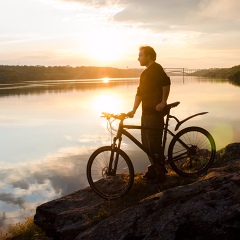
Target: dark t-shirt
152,80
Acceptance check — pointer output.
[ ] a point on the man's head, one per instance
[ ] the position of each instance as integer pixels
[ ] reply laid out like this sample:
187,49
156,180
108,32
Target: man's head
147,55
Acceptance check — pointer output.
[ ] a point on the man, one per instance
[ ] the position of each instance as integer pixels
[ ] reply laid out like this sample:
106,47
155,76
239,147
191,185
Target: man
152,92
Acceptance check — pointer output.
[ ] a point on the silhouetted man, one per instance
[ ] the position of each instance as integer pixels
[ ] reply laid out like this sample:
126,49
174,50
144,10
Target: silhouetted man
152,92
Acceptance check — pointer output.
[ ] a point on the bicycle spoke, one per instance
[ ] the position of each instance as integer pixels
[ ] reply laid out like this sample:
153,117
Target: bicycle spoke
106,182
191,151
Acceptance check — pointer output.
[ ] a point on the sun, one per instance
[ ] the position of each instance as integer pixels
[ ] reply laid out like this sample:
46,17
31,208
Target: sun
105,45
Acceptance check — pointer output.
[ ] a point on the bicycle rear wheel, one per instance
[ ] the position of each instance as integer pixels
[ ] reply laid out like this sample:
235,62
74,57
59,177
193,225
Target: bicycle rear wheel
191,151
106,184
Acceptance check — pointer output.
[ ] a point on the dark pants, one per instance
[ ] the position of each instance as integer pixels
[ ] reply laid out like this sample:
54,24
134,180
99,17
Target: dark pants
152,138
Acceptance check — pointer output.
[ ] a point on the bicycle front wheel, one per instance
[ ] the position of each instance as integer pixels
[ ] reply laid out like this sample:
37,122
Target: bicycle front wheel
191,151
106,183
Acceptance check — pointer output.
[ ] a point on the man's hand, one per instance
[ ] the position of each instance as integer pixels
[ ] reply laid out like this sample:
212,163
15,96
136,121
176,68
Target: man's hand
161,106
131,114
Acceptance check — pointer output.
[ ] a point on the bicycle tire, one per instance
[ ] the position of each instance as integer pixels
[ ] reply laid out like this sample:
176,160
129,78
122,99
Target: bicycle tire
197,157
110,187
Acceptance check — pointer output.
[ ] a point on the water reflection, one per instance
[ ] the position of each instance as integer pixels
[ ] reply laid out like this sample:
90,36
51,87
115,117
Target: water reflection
108,102
216,80
59,86
27,186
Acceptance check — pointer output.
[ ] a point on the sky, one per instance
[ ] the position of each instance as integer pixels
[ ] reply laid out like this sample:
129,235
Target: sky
193,34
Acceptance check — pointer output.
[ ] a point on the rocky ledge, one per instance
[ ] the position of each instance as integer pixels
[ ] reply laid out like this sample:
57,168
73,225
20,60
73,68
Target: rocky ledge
199,209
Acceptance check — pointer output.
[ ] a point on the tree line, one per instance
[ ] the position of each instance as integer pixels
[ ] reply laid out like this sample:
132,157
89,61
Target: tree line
14,74
233,73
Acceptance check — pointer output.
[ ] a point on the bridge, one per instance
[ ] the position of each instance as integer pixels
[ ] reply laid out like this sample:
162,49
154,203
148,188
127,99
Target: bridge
182,71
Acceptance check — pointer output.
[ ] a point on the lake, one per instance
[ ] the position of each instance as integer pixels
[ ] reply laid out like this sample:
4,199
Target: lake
50,128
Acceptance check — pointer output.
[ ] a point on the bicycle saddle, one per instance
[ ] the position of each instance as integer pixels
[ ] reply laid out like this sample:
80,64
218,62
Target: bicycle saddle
168,107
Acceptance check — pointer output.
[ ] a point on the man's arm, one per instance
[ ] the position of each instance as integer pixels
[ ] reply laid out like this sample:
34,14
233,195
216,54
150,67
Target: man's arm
161,105
137,102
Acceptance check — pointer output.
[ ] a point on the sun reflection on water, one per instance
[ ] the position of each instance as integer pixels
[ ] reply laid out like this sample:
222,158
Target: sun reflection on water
107,102
105,80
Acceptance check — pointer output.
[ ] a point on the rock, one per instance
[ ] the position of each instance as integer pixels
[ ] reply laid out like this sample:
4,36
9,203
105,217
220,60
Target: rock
205,209
231,151
65,217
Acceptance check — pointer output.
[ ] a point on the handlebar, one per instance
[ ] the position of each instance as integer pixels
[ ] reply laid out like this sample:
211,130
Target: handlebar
121,116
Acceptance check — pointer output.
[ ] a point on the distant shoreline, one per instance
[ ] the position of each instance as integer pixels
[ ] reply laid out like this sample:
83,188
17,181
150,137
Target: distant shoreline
16,74
232,74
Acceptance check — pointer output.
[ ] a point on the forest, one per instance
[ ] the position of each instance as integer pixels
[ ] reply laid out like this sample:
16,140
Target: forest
233,73
15,74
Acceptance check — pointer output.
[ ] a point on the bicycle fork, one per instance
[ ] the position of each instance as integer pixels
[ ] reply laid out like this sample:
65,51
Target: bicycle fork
114,157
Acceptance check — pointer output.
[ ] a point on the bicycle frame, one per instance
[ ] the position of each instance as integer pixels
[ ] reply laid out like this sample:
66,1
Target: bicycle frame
122,131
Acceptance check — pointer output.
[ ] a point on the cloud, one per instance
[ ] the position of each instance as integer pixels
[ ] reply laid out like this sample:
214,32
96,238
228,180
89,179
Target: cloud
197,29
11,199
207,16
155,11
173,15
95,3
197,24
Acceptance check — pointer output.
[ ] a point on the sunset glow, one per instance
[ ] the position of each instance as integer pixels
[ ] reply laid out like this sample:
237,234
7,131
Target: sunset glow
105,46
190,34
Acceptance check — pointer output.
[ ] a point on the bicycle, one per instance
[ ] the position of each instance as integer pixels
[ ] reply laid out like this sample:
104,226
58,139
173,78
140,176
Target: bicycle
110,172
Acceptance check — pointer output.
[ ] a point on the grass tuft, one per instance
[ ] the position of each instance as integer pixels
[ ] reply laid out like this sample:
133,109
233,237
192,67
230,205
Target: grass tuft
25,230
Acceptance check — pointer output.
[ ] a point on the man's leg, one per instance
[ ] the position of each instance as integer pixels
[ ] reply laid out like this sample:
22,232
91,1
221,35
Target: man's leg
152,139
